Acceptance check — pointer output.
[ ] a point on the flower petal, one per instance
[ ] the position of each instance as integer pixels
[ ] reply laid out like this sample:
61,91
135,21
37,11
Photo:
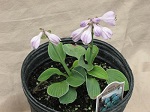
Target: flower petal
35,41
96,20
97,30
76,35
106,33
77,38
53,38
86,37
84,23
109,17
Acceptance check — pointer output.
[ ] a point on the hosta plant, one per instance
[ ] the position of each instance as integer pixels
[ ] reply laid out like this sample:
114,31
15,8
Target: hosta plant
82,71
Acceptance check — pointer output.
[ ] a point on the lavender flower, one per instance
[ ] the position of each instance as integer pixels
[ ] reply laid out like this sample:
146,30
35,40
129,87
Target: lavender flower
109,17
106,33
76,35
86,37
35,41
84,33
53,38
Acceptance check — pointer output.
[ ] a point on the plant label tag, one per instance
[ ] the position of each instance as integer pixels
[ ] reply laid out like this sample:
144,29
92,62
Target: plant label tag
110,96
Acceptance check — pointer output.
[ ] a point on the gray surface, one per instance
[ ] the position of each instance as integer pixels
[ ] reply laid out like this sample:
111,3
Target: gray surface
20,20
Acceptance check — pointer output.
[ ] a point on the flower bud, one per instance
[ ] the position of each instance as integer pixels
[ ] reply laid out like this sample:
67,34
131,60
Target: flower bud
84,23
53,38
35,41
96,20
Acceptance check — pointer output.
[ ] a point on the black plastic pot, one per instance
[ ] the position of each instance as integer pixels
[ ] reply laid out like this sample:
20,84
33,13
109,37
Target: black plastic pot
107,53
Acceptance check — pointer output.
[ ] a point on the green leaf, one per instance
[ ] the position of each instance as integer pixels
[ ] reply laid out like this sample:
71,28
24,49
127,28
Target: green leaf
116,75
76,79
93,87
58,89
75,64
81,70
56,53
69,97
88,67
74,50
94,53
98,72
48,73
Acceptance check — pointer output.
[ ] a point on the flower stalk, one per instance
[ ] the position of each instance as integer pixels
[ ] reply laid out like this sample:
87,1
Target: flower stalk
91,47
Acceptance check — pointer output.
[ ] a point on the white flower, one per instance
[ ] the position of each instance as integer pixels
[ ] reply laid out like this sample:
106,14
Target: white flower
53,38
35,41
109,17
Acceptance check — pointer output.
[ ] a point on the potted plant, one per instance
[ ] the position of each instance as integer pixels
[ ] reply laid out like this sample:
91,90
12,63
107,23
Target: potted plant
67,75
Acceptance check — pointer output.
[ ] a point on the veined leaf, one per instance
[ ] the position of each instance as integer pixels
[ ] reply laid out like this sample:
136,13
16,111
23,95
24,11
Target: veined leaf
88,67
69,97
48,73
98,72
76,79
81,70
74,50
56,53
93,87
116,75
58,89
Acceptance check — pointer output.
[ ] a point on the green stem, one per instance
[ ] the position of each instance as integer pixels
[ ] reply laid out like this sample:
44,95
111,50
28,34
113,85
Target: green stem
66,68
63,62
65,75
37,87
91,48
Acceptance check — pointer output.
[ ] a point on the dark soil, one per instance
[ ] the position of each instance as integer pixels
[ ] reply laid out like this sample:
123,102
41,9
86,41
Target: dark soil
82,104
